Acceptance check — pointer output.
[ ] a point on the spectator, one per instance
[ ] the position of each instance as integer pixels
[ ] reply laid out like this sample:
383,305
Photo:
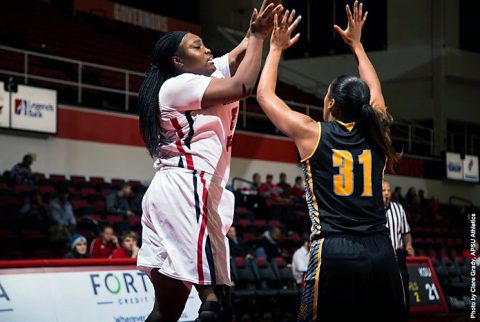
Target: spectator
269,245
410,196
103,246
21,173
238,248
269,189
284,187
117,201
397,195
298,189
33,212
128,248
257,182
435,208
136,205
60,213
300,260
78,247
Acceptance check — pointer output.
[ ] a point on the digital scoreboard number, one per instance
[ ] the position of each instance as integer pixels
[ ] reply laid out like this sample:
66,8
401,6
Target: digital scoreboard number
426,295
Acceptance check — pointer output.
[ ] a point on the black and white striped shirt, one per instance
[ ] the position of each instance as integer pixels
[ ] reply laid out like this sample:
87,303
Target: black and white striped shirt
397,223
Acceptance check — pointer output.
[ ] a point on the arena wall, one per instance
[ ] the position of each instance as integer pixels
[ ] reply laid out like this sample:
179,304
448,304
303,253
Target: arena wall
97,143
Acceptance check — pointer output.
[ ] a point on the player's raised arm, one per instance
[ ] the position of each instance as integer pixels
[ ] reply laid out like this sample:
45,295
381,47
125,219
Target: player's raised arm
242,83
301,128
351,36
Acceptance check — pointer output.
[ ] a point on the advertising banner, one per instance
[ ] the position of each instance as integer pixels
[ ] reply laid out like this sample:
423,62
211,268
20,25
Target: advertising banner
4,106
470,168
34,109
454,165
76,294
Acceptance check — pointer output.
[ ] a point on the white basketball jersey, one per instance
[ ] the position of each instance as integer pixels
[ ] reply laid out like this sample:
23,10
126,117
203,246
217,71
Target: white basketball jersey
191,137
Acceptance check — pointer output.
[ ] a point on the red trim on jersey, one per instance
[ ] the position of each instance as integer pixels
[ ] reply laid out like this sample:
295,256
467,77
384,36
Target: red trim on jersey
202,230
179,145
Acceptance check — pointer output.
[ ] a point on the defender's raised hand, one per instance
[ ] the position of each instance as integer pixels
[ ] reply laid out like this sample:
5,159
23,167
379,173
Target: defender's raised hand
282,30
261,22
353,33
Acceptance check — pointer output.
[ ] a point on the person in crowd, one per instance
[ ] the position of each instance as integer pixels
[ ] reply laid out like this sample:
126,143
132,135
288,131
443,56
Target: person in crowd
78,247
410,196
62,218
400,235
352,270
33,212
269,189
257,182
397,195
21,173
128,246
269,246
116,202
238,248
298,189
104,245
284,187
136,204
300,260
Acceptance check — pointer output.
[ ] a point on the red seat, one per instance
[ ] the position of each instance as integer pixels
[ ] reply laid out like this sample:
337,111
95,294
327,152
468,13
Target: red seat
46,189
117,182
55,178
77,179
133,221
19,188
134,183
99,206
88,192
77,204
96,180
106,192
114,219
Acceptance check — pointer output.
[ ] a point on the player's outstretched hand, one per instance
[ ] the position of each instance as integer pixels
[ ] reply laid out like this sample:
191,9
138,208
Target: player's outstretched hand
261,22
356,20
282,30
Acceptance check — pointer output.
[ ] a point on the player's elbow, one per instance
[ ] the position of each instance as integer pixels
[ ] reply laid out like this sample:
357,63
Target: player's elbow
263,96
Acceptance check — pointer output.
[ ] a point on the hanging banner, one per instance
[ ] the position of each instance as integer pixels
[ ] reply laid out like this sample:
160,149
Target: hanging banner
34,109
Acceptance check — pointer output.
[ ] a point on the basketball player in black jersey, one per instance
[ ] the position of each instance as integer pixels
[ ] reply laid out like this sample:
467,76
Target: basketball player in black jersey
352,273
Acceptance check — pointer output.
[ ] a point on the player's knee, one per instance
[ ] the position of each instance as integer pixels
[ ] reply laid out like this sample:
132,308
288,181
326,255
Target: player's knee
213,311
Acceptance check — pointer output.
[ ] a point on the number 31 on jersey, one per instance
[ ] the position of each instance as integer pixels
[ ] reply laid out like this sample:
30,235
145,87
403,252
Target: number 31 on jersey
343,181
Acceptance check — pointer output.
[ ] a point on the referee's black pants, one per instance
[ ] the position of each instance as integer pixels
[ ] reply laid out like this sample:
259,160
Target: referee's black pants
353,278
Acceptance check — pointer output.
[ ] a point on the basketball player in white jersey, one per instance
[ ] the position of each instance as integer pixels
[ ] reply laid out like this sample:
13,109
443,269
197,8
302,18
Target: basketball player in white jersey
188,106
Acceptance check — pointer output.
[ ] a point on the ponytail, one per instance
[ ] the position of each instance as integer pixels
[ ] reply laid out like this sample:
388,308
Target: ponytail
352,96
377,129
160,70
149,111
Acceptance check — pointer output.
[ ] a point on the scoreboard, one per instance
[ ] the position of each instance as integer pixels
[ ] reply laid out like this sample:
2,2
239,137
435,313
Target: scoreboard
426,295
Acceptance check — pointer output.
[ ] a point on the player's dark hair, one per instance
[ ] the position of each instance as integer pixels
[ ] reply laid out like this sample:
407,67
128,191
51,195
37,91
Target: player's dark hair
352,98
161,69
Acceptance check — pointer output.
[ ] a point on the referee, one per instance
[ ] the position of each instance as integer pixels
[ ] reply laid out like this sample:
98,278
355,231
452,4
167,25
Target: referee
399,235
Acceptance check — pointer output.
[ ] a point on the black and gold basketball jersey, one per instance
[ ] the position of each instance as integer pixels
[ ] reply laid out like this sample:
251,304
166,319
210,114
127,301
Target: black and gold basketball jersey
343,182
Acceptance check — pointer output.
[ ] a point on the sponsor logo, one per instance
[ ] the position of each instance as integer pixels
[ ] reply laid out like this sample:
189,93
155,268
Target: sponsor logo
454,167
470,165
31,109
120,287
4,299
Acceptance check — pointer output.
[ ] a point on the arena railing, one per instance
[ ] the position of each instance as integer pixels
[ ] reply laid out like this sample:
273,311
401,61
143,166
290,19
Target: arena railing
412,138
